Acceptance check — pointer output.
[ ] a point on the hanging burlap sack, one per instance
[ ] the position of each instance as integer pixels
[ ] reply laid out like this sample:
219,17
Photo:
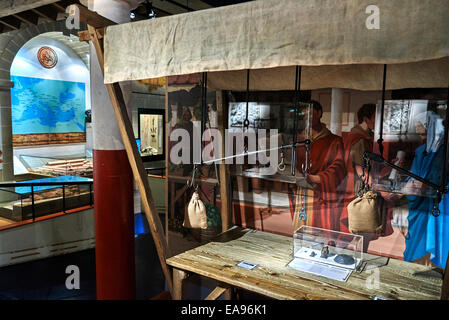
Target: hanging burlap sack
364,214
196,213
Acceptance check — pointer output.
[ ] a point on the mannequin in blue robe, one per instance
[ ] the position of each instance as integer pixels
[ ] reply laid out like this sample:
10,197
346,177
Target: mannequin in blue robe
427,233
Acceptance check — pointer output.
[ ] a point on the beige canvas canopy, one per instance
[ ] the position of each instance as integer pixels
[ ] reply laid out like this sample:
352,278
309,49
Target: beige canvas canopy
329,38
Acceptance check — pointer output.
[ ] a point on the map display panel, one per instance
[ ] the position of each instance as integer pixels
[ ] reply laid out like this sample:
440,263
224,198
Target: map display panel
47,106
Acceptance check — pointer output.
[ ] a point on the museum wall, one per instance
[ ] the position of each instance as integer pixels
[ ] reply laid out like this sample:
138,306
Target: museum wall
49,102
352,101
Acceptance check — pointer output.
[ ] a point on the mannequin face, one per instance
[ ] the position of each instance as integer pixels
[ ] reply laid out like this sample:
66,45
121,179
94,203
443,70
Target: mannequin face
421,130
370,122
316,116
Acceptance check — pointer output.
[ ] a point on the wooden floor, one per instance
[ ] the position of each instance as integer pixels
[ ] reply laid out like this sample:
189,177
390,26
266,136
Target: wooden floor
272,278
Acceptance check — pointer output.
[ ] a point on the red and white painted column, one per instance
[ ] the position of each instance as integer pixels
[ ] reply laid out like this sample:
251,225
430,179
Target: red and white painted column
113,180
336,111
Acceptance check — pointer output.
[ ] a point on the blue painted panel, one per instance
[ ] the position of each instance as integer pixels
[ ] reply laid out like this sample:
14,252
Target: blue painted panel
47,106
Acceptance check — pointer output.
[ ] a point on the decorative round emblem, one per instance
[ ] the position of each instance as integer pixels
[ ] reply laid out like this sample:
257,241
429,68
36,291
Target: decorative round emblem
47,57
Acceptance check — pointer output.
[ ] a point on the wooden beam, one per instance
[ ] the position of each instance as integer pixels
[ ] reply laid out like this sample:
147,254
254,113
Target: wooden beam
160,12
167,161
90,17
180,5
59,7
217,292
127,134
12,7
27,17
49,11
5,28
10,22
85,35
445,287
43,15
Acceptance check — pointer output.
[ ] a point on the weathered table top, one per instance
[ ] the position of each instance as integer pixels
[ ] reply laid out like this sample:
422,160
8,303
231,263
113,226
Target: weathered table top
217,260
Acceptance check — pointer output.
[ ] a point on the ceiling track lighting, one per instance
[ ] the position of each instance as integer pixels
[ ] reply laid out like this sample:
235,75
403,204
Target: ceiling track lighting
149,12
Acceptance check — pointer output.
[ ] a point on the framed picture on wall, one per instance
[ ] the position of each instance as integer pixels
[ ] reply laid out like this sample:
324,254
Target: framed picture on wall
151,130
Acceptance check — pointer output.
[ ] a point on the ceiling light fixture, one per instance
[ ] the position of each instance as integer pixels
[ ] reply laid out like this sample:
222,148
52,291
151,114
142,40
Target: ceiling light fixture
150,11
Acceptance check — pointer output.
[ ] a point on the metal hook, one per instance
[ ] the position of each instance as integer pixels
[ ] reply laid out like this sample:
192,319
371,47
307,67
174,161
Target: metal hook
191,182
436,210
281,165
306,167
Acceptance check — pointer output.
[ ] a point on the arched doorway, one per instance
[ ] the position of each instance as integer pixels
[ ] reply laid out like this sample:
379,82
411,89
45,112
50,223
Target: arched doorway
10,44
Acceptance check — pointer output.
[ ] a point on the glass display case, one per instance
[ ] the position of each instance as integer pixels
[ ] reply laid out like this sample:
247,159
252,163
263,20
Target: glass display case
21,203
326,253
151,133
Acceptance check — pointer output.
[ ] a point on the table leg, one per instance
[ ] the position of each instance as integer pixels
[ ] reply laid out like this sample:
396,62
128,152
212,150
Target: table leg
172,200
178,277
228,294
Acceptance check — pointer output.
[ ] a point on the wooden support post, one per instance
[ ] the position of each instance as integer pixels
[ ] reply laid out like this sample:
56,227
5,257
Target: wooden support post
126,131
445,287
167,161
217,292
178,283
229,294
225,192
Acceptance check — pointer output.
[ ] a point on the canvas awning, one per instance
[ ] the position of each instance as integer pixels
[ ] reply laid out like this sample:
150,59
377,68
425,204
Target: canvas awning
329,38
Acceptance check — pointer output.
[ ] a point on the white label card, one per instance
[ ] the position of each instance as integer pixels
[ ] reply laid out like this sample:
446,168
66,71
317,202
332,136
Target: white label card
247,265
321,269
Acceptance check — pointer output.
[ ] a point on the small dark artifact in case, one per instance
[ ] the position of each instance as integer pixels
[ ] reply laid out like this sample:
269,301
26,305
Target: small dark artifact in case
324,252
344,259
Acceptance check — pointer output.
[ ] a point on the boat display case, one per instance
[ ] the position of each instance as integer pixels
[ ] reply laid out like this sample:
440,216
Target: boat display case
29,202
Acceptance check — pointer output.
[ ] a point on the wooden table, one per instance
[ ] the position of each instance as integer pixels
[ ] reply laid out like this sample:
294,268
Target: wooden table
272,278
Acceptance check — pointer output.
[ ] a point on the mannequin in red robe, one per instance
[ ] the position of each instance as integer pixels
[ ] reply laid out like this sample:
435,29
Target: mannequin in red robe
326,172
359,140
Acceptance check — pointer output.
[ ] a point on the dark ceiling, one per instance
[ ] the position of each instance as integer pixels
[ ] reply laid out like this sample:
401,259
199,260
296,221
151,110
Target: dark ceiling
47,13
56,11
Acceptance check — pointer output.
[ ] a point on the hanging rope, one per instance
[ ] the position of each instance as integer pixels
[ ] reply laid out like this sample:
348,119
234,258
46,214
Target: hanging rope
246,121
380,140
203,109
295,119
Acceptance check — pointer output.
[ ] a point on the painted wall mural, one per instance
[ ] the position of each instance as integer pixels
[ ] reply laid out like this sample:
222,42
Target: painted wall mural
47,106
